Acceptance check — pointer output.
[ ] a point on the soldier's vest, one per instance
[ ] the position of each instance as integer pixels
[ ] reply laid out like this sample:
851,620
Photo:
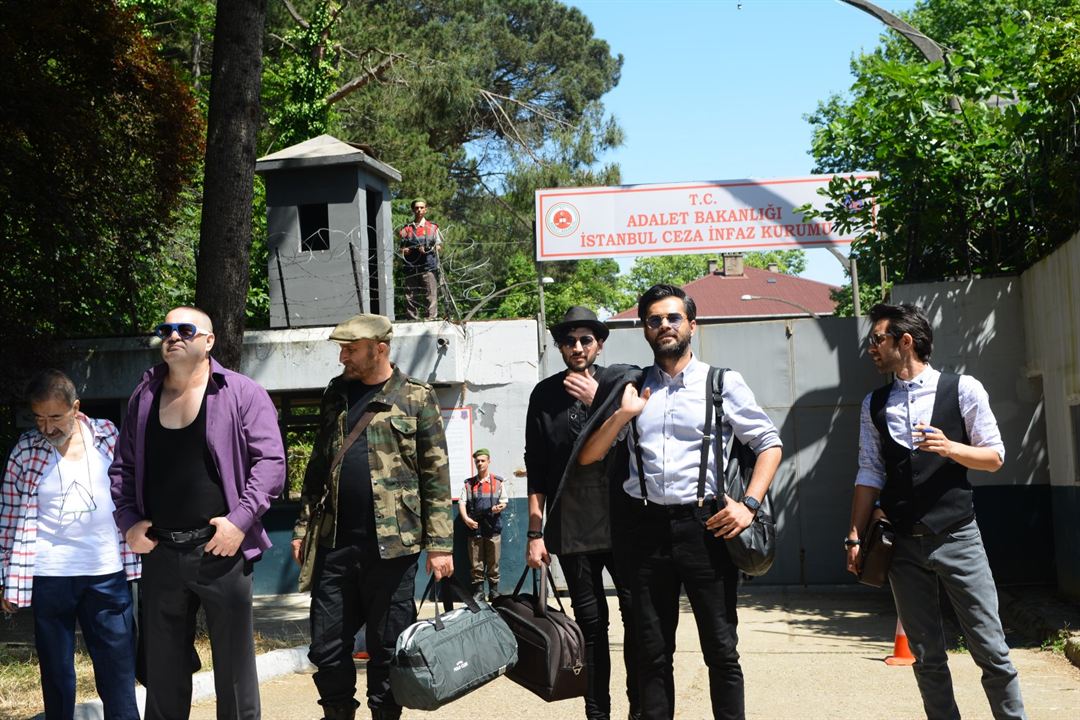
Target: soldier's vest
924,486
481,498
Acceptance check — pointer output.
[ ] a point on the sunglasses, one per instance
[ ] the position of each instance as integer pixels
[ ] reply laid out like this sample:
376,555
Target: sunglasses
186,331
673,319
569,342
875,339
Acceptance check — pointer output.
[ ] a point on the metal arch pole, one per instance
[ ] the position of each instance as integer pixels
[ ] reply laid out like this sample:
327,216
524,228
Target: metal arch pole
933,53
849,264
930,49
541,328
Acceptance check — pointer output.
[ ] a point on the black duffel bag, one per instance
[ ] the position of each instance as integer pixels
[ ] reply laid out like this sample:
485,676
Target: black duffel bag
437,661
551,647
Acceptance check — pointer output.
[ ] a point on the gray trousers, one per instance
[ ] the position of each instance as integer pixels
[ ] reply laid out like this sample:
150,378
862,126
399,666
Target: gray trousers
959,560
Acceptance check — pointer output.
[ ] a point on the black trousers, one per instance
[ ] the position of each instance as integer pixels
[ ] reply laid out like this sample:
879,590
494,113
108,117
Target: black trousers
585,581
668,548
175,582
353,586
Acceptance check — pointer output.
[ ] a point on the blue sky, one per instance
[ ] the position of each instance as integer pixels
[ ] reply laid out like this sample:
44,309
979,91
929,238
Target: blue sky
717,90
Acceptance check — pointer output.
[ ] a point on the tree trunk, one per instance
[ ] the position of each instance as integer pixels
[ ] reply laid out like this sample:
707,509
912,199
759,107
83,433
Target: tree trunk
221,284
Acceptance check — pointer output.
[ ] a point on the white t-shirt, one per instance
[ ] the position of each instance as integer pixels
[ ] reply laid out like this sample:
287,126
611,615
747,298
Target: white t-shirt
76,533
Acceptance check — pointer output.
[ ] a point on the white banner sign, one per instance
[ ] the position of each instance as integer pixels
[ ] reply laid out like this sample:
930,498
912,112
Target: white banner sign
457,425
681,219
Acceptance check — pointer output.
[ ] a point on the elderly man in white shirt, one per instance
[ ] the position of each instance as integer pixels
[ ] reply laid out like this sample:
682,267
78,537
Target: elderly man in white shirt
677,525
918,437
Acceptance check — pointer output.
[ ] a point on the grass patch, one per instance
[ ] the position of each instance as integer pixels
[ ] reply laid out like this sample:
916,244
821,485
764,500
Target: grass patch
20,684
20,678
1056,642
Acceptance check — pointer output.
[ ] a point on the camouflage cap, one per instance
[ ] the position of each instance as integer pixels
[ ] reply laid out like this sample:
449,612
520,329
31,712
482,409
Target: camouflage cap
362,327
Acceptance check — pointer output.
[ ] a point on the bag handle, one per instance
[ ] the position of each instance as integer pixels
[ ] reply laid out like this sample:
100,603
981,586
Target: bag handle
540,591
432,590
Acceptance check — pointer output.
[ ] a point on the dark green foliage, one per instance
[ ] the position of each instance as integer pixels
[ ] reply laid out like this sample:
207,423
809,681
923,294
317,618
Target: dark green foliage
980,169
99,138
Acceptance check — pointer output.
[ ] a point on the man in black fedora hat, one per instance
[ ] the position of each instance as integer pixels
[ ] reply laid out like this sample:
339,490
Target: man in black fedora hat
558,408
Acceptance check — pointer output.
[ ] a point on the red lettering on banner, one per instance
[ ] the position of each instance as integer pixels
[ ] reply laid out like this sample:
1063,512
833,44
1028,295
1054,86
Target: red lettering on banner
658,219
616,239
728,234
777,232
682,236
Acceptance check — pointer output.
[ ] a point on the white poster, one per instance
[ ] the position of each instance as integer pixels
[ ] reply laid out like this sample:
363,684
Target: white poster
457,423
682,219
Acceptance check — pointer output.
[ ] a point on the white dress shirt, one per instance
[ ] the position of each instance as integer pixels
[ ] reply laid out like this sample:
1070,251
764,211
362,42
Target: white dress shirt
910,403
671,426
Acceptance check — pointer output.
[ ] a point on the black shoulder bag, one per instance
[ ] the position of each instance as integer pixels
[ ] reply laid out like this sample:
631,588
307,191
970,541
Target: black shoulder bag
754,549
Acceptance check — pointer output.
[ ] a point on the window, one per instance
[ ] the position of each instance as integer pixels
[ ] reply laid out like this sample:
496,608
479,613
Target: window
314,227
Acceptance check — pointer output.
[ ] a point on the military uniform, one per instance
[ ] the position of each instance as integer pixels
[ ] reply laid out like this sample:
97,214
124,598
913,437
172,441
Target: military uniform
370,580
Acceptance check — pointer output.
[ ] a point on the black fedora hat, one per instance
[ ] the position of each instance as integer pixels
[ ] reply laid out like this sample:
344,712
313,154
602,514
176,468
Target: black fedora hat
579,316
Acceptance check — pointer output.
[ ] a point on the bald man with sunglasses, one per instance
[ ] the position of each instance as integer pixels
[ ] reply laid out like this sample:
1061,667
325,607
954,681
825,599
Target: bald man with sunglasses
198,460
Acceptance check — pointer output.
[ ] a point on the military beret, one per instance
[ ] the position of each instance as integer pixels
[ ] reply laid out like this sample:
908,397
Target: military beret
482,451
363,327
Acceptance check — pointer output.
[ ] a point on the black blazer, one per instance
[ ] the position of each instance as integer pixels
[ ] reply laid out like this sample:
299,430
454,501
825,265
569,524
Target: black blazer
585,507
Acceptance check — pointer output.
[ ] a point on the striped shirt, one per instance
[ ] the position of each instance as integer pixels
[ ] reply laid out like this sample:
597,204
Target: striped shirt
31,460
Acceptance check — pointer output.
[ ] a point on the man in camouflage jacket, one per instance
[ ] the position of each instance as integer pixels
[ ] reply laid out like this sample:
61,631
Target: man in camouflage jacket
376,493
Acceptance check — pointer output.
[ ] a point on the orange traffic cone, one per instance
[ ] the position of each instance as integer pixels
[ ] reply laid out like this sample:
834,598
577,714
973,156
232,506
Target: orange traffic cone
901,651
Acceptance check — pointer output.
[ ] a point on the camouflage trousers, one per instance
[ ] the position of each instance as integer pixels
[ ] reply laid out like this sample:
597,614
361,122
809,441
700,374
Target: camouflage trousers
484,559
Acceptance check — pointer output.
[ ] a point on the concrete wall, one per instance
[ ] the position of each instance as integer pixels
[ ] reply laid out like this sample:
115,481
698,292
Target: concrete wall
1051,318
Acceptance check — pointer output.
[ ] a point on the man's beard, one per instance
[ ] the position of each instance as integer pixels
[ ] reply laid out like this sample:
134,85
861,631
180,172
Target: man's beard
671,351
60,440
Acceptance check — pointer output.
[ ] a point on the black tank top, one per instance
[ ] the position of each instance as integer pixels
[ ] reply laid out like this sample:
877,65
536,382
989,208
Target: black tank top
183,487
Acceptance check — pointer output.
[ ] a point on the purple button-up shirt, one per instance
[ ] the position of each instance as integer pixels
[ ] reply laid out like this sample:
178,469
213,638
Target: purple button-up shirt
242,436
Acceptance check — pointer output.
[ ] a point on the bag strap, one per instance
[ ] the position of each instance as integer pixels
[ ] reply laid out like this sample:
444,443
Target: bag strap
351,438
540,591
707,435
548,580
640,461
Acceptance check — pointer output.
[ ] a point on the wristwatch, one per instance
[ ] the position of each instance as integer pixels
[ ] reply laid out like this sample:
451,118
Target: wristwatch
751,502
534,534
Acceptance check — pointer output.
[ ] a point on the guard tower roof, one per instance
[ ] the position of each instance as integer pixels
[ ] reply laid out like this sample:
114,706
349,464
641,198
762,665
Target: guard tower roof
325,151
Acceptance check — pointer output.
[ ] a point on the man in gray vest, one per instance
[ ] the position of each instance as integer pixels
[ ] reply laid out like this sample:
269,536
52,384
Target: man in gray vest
918,437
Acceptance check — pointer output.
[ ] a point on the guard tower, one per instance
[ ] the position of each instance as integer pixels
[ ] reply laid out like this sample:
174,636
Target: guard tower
329,232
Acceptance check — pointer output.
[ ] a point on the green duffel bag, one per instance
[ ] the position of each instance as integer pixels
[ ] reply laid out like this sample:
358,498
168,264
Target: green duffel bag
437,661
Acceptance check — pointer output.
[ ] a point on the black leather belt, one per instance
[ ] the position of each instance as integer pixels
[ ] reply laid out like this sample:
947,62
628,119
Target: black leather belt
183,537
687,510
